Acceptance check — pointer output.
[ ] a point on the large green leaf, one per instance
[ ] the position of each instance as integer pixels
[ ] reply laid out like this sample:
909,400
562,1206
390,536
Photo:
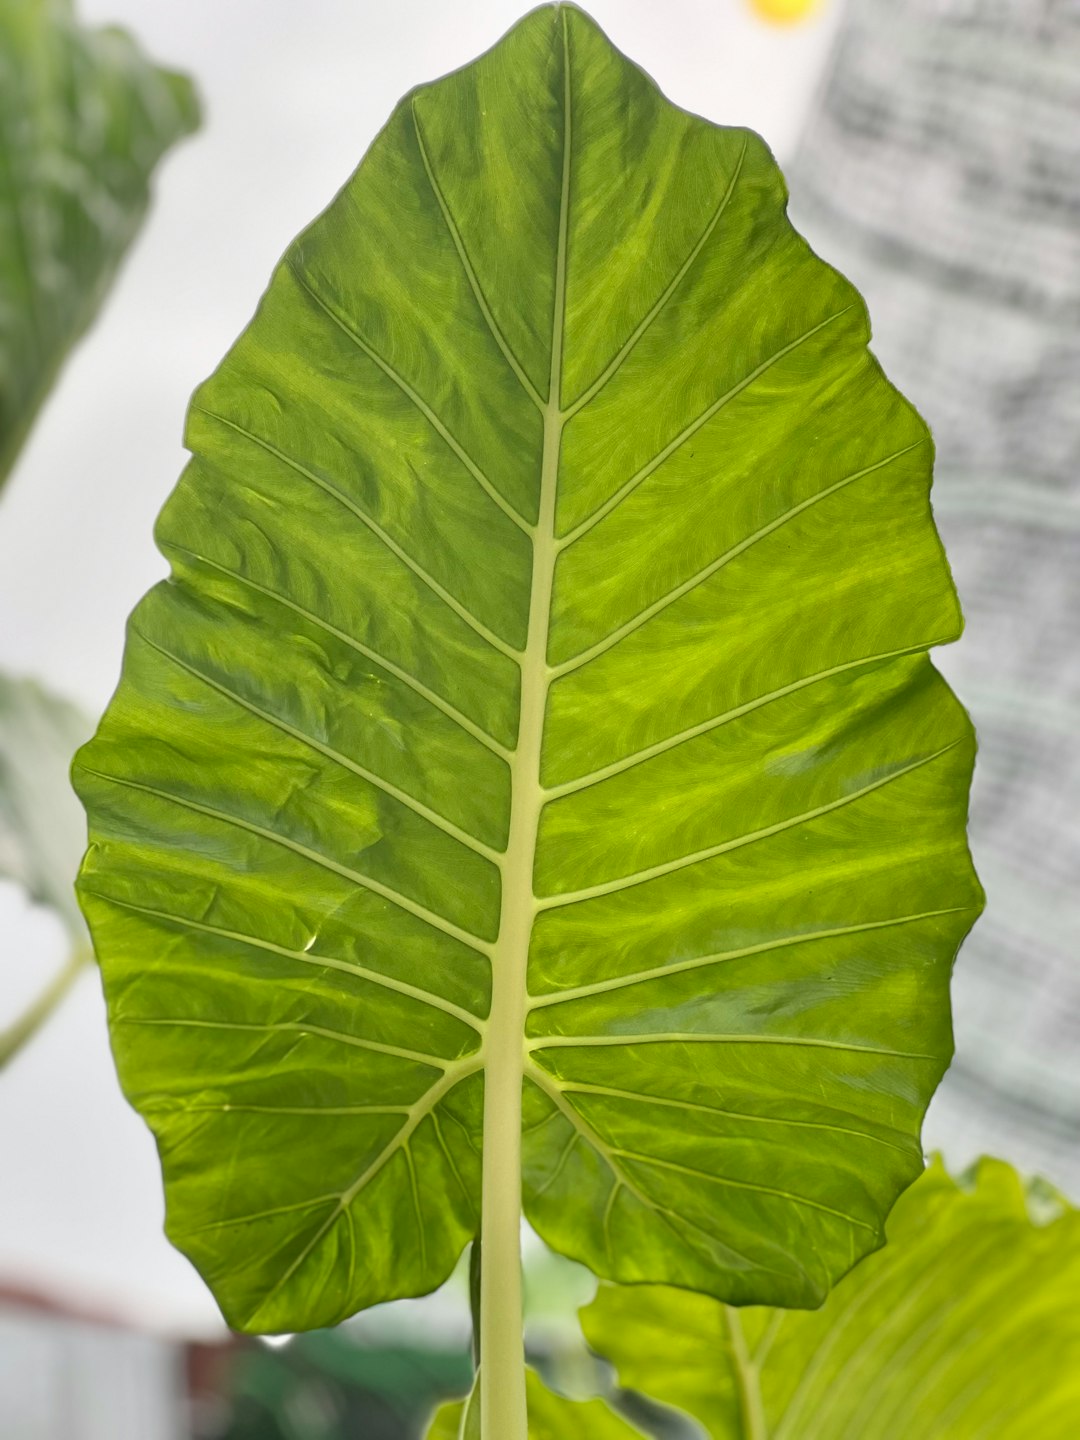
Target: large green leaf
540,690
551,1417
84,118
965,1327
42,830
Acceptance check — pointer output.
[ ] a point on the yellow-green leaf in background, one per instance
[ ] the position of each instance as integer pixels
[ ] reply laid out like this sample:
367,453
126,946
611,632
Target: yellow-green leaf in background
965,1327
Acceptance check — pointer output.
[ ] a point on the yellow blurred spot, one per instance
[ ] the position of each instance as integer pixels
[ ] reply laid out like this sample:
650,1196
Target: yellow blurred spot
784,12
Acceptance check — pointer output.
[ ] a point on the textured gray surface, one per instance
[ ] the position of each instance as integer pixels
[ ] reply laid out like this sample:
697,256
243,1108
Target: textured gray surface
941,172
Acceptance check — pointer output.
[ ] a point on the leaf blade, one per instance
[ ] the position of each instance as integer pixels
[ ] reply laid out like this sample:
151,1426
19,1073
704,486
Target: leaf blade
402,693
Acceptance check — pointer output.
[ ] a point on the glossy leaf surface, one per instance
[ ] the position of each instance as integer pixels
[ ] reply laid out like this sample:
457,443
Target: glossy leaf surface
551,1417
965,1327
539,695
84,119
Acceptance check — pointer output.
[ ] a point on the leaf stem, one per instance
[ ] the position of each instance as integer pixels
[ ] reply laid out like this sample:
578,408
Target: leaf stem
34,1016
751,1410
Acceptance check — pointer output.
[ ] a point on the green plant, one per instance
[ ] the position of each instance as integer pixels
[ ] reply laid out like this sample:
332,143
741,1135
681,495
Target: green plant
84,119
42,833
531,779
965,1327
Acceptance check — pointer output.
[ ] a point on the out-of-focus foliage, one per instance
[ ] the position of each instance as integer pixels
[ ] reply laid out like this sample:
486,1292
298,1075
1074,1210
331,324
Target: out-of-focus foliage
84,118
326,1386
965,1327
42,830
42,827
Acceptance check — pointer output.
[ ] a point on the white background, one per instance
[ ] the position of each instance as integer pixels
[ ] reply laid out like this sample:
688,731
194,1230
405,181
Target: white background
293,94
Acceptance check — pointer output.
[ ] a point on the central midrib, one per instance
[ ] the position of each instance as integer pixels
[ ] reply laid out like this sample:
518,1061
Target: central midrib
502,1373
504,1044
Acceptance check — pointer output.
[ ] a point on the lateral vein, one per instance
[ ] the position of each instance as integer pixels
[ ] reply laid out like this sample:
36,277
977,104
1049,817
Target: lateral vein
306,957
417,399
335,756
224,817
714,722
751,1185
425,692
564,1155
308,1110
698,962
584,1131
470,272
423,1107
688,432
610,370
696,1037
638,1097
668,867
448,1155
290,1027
229,1221
398,551
593,652
421,1233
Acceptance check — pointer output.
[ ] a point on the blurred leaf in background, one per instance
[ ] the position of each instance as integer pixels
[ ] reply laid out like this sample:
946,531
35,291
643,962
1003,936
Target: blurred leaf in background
42,829
84,118
325,1386
965,1327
